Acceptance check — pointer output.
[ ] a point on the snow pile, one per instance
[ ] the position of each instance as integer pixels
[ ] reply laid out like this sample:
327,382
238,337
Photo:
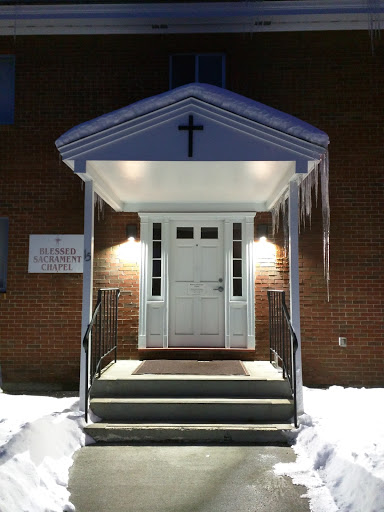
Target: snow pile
38,436
340,450
222,98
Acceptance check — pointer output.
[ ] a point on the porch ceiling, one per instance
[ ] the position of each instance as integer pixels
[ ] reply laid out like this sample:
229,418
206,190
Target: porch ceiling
240,156
186,186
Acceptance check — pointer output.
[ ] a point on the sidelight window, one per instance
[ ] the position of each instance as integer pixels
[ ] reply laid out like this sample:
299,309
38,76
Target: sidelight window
237,260
156,259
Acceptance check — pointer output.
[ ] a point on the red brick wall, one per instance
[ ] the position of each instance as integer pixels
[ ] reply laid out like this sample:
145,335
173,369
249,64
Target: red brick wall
329,79
117,265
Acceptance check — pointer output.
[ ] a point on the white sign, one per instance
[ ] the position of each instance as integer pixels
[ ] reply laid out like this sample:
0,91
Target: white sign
56,254
196,289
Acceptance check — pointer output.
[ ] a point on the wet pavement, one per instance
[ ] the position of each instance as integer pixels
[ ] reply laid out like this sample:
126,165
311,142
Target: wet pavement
183,478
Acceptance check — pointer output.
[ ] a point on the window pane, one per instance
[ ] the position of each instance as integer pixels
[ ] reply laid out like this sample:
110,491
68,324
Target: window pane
156,250
237,268
3,253
182,70
237,287
184,232
156,231
212,233
156,287
7,88
237,249
211,69
156,268
237,231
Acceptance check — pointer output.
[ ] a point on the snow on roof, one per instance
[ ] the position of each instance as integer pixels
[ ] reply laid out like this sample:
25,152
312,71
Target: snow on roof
211,94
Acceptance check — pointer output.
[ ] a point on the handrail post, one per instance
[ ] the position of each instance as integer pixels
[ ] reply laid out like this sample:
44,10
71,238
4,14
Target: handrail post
87,287
117,294
294,288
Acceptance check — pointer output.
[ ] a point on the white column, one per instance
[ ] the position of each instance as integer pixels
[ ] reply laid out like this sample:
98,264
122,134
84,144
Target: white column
293,221
87,282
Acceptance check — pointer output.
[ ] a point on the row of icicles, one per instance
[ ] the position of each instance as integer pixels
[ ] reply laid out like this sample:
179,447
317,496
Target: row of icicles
305,188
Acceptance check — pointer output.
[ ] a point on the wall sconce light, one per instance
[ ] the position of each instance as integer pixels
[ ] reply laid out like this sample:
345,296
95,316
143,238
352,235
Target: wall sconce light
131,231
262,232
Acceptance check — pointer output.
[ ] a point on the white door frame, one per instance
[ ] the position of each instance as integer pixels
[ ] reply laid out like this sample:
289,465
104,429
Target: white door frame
239,312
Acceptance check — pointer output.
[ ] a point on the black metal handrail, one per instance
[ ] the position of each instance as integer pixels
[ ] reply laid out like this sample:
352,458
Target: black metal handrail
282,341
100,339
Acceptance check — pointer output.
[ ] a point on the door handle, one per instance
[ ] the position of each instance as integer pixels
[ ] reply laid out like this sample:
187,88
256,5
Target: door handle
220,289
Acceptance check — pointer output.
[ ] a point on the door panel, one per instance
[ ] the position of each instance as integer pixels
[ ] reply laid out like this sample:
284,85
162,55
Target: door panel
196,266
208,259
210,315
184,262
184,315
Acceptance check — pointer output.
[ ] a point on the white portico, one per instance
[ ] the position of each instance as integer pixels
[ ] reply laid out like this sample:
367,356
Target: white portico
196,163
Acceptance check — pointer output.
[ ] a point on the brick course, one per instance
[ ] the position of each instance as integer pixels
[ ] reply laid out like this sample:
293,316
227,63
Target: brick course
329,79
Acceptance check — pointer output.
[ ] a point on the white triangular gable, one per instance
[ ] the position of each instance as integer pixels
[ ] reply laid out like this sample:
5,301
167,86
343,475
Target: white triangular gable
149,144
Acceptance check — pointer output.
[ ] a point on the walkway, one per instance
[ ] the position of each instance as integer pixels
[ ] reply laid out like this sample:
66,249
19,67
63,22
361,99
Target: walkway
183,478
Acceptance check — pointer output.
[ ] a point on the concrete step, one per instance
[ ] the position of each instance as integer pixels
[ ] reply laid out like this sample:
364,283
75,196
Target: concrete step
190,386
189,432
193,409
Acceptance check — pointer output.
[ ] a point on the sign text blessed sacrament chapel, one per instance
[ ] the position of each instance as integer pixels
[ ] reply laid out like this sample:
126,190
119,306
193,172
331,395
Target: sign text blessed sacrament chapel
56,254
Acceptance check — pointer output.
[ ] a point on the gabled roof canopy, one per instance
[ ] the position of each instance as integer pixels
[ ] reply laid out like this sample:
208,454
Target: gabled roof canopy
197,147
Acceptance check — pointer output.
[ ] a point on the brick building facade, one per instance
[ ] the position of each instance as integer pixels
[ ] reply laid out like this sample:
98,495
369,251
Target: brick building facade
329,79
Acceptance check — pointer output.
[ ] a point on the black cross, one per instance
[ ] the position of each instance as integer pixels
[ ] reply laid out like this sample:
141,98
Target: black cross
191,127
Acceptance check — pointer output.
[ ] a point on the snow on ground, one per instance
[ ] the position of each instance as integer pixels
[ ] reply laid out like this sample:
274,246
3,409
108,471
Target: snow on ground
38,436
339,447
340,450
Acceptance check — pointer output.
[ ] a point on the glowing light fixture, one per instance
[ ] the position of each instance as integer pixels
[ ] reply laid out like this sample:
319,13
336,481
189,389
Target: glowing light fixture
131,232
265,252
262,232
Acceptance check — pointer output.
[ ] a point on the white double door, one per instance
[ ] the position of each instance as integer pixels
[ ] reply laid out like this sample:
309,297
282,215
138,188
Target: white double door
196,284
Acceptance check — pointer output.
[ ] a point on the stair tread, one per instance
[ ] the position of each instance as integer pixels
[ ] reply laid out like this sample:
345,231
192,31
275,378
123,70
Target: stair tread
193,400
243,378
219,426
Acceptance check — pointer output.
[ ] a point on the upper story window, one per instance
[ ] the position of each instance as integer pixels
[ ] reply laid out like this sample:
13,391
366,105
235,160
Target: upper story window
3,253
7,89
208,68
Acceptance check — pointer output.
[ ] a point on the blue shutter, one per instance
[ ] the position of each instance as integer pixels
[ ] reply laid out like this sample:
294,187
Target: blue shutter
7,89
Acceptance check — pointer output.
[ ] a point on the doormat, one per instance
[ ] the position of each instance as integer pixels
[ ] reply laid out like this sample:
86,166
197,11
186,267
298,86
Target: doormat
190,367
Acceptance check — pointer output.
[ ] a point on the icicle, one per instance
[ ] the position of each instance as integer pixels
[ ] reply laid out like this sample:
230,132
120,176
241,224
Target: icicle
374,22
279,205
324,176
286,228
99,204
306,186
280,208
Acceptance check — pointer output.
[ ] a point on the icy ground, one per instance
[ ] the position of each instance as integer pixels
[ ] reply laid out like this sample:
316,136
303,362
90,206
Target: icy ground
339,446
340,450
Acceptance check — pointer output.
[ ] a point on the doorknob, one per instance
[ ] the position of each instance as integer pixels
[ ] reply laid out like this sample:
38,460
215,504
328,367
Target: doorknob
220,289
